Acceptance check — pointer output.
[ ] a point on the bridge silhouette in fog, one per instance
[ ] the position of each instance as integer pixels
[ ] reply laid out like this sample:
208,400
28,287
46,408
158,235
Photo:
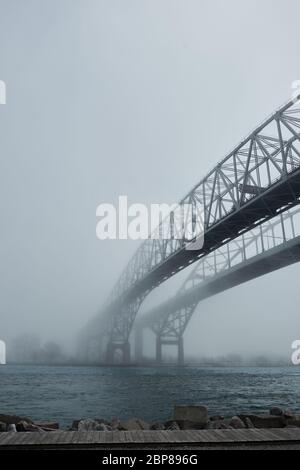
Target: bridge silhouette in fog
249,206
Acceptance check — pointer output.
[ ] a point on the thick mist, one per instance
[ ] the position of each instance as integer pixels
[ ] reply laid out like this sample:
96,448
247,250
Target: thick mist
136,98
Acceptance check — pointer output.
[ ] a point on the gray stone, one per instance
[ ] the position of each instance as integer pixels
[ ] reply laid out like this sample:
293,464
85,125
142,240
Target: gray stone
13,419
48,425
23,426
224,425
103,427
265,421
236,423
172,426
249,423
3,426
74,426
290,415
11,428
135,425
157,427
275,411
295,422
197,415
115,424
216,418
92,425
213,424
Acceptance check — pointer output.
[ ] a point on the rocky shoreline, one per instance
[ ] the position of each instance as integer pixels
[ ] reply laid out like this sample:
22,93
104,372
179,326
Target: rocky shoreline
185,417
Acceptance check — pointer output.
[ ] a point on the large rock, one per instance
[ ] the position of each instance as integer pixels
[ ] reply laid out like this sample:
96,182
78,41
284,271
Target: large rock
115,424
216,418
157,426
23,426
11,428
13,419
75,424
3,426
92,425
293,422
172,426
264,420
275,411
249,423
134,425
48,425
236,423
191,416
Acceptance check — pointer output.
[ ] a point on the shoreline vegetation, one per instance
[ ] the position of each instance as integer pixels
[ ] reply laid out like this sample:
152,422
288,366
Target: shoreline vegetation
185,417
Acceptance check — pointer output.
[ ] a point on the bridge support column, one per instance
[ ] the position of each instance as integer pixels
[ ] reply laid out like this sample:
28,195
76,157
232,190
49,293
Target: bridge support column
180,351
112,347
158,350
160,342
138,344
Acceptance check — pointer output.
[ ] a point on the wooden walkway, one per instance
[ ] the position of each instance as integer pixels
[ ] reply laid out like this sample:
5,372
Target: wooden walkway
154,439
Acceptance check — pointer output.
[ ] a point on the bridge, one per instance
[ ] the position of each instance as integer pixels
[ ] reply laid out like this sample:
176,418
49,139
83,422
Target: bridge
259,180
267,248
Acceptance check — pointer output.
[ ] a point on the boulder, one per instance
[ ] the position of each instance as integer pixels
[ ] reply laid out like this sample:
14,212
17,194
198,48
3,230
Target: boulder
3,426
216,418
264,420
293,422
74,426
134,425
23,426
172,426
290,415
157,427
214,424
49,425
236,423
90,425
104,427
249,423
13,419
115,424
275,411
224,425
11,428
193,416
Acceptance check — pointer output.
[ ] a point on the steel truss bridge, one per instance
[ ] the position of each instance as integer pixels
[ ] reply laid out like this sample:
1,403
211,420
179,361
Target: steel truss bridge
259,180
268,247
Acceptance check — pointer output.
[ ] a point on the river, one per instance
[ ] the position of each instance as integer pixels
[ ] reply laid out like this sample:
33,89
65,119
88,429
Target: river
66,393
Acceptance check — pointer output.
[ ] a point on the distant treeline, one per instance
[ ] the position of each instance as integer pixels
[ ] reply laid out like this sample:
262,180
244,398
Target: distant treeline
28,349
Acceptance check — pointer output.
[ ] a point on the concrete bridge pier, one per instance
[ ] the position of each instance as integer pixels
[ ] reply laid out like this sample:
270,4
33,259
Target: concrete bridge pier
138,344
160,342
113,348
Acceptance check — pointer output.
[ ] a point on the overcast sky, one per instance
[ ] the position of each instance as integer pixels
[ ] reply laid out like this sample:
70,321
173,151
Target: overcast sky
138,98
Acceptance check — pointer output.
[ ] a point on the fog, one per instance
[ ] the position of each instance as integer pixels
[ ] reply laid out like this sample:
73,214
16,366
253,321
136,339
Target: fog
136,98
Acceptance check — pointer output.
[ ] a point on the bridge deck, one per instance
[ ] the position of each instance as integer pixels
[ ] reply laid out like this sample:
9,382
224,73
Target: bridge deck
154,439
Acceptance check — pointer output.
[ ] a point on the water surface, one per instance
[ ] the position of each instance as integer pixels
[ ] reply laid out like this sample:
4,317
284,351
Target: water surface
67,393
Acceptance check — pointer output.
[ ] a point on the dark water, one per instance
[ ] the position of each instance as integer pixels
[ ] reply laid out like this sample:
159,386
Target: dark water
67,393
